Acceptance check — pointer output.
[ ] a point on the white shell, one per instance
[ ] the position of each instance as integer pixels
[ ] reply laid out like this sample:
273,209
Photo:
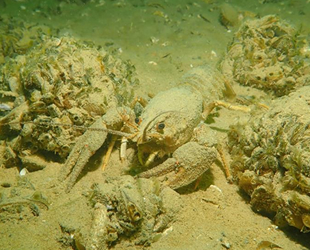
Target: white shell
23,172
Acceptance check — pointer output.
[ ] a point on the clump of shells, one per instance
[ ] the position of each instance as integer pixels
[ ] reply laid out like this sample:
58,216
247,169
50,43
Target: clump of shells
139,210
17,37
59,81
271,160
268,54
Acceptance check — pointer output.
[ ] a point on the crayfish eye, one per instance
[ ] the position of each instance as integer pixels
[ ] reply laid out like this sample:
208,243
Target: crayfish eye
160,126
138,120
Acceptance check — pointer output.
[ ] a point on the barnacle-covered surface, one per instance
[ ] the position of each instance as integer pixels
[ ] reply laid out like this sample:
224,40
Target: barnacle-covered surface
61,81
138,210
268,54
17,36
271,160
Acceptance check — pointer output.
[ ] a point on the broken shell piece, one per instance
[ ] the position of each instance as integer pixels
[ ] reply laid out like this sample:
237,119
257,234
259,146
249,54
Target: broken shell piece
306,219
153,63
229,16
154,40
5,107
23,172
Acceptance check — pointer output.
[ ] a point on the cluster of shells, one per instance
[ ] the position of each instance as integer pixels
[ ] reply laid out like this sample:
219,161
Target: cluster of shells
268,54
51,85
270,152
271,160
16,36
59,81
138,209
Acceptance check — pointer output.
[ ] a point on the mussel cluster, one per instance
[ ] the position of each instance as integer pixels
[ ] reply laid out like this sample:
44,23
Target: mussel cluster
59,81
268,54
271,160
17,37
137,209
